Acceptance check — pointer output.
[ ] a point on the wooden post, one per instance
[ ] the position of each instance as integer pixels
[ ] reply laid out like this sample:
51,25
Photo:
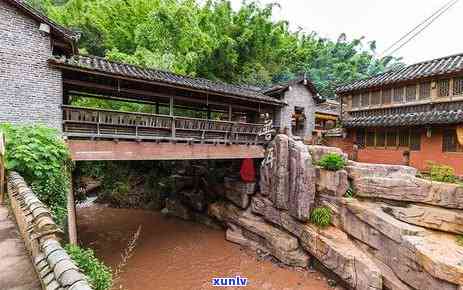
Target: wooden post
72,224
229,113
2,168
171,113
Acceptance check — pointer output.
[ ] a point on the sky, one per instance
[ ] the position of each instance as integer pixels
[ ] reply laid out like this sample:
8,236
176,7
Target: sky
382,20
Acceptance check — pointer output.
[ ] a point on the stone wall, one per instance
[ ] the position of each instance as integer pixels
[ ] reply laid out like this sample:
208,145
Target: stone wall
55,269
30,90
297,96
398,232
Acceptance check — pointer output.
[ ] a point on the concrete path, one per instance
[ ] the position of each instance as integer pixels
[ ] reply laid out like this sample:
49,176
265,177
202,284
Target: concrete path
16,270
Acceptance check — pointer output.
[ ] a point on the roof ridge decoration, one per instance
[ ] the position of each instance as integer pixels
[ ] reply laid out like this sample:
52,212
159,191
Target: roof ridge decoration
281,86
102,65
430,68
40,17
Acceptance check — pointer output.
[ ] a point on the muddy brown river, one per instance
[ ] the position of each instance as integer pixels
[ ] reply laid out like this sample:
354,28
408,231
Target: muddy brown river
174,254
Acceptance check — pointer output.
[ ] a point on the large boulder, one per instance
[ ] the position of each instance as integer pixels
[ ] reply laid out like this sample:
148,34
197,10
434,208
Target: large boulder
301,181
318,151
413,253
330,246
334,183
239,192
280,173
431,217
280,244
357,170
410,189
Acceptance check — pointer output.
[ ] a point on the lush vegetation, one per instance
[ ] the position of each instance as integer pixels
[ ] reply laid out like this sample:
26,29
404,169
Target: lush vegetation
99,274
214,41
332,162
442,173
459,240
321,216
41,157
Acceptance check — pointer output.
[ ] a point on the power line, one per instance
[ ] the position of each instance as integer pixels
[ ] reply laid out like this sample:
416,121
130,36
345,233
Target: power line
426,26
432,17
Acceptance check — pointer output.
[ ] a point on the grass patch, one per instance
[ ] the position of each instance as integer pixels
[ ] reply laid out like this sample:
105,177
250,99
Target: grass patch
321,216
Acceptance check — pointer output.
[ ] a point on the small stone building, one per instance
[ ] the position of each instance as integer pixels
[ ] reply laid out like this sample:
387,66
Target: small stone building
31,90
301,97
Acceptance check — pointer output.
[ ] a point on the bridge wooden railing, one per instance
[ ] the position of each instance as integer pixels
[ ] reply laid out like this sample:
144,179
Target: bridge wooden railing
99,123
2,167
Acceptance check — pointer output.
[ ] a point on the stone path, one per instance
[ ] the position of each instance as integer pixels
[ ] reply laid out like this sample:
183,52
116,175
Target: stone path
16,270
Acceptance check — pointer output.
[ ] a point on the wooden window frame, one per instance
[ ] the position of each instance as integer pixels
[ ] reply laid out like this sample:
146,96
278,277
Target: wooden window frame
443,88
450,135
395,95
386,95
458,86
358,100
375,98
424,92
362,98
410,93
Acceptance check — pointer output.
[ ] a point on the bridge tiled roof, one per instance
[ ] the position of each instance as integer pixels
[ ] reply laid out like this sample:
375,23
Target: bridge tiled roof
98,64
427,114
328,107
436,67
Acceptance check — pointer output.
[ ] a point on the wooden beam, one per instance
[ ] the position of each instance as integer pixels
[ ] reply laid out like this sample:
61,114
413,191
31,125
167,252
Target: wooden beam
95,86
87,150
91,72
71,207
2,168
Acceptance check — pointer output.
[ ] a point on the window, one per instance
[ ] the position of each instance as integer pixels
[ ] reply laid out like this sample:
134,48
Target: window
404,138
355,101
380,138
410,94
370,139
398,95
415,140
450,142
375,98
386,98
365,99
458,86
425,91
443,88
360,138
391,138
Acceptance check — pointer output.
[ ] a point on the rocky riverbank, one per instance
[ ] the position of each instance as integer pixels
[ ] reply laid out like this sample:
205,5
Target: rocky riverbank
398,233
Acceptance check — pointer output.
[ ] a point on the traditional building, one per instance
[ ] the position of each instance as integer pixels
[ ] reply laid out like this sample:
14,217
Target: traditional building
326,116
30,90
412,115
298,116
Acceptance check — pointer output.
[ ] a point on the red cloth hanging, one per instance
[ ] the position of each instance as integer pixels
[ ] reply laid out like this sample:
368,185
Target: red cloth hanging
248,172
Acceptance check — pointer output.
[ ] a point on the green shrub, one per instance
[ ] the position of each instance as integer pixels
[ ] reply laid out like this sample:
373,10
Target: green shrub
332,162
350,193
99,275
460,240
442,173
321,216
40,155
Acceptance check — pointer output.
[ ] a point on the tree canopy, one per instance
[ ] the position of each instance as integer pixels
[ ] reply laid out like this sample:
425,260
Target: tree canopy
209,39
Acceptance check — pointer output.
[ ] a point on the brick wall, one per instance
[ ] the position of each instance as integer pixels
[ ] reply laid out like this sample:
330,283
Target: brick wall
297,96
30,91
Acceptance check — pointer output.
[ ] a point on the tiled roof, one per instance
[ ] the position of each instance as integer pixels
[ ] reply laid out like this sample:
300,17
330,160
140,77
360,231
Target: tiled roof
279,87
38,16
328,107
427,114
98,64
436,67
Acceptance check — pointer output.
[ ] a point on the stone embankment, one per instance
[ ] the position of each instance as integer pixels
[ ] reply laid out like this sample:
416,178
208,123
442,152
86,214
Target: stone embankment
55,269
399,232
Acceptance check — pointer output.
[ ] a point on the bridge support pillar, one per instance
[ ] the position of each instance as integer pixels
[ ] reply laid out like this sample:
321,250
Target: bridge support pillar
72,224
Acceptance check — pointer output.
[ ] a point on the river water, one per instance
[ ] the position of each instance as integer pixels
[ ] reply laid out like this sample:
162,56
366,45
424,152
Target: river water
172,254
